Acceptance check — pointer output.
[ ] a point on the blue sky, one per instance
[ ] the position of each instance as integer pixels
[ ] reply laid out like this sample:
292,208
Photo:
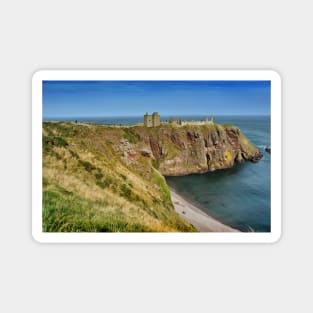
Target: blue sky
134,98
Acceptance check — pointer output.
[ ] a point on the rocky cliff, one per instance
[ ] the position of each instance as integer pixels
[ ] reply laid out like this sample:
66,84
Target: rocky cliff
182,150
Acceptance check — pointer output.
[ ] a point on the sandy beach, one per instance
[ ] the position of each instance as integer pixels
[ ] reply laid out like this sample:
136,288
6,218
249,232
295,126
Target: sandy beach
196,217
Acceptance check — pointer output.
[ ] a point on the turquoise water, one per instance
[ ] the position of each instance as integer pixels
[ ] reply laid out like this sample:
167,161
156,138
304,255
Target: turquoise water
240,196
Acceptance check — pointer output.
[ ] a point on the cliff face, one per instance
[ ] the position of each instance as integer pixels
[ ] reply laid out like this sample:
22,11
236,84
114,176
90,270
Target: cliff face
177,150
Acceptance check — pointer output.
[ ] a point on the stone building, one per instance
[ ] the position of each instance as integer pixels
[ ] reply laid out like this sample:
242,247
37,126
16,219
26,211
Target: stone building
152,120
181,122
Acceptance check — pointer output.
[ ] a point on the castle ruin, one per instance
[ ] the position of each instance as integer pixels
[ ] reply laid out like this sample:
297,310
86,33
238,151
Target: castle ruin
181,122
152,120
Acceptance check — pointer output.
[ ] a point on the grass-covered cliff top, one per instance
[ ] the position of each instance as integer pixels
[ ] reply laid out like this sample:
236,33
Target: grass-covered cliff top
99,178
87,187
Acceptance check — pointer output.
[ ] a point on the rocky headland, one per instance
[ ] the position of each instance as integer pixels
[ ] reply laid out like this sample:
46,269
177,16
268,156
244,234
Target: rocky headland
182,150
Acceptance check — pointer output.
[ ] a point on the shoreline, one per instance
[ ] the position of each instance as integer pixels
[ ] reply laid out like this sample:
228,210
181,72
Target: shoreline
195,216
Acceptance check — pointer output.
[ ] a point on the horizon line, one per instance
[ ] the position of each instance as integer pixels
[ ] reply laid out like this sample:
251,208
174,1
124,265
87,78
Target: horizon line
141,115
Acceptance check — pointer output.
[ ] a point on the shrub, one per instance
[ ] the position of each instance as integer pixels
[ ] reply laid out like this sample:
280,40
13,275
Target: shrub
67,130
74,154
105,183
87,165
130,135
101,184
126,192
156,163
98,174
54,141
44,182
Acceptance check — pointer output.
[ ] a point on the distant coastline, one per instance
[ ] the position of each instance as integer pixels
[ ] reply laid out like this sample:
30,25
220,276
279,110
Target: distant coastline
133,120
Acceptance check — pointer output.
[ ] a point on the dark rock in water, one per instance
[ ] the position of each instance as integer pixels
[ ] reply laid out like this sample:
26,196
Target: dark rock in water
257,157
268,149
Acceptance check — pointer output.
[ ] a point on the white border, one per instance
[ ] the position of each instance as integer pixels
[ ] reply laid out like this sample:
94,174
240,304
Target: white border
270,237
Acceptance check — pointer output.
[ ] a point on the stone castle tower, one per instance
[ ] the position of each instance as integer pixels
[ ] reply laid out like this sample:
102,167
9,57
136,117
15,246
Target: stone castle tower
152,120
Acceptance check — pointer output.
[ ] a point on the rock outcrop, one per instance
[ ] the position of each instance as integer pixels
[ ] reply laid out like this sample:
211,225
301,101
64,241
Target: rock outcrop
182,150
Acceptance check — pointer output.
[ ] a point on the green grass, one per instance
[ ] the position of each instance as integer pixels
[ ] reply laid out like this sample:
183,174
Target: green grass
130,135
159,180
156,163
68,213
65,129
87,165
105,182
49,142
54,141
126,192
44,182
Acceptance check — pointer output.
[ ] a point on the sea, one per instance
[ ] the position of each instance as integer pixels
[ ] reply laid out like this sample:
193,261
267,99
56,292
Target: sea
240,196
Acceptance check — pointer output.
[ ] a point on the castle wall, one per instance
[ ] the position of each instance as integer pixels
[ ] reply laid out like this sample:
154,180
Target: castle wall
197,123
148,120
152,120
155,119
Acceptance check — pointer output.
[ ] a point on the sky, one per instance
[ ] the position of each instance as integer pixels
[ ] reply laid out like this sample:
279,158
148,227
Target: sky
135,98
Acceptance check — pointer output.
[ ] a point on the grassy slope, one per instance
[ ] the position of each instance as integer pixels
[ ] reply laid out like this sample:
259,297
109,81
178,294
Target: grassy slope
88,188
